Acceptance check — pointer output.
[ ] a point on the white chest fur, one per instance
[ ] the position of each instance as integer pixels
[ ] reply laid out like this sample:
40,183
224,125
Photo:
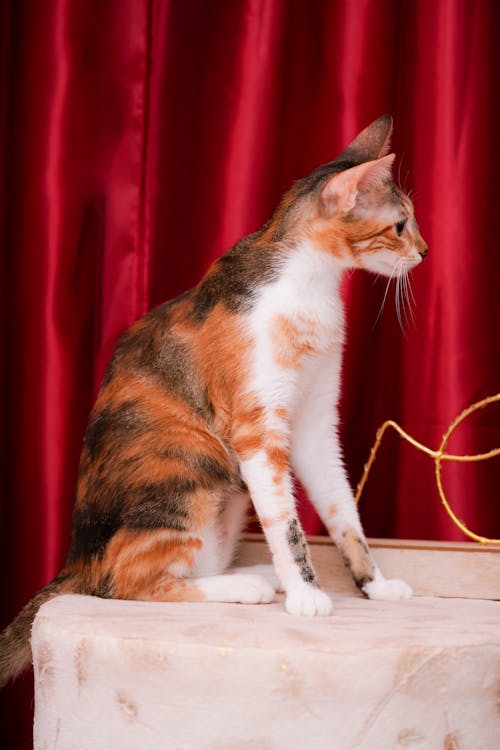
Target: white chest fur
306,290
298,319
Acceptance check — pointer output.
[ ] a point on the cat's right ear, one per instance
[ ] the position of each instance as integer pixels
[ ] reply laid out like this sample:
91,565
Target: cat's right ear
340,193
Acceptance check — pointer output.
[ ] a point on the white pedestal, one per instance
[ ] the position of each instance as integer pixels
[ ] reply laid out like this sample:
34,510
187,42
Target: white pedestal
421,674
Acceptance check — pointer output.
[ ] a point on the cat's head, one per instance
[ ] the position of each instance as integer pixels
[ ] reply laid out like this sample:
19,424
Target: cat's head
352,208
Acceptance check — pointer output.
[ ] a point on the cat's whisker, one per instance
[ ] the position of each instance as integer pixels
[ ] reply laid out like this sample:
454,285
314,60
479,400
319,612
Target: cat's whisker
399,305
399,168
407,311
398,302
401,298
402,275
406,180
410,299
383,300
414,301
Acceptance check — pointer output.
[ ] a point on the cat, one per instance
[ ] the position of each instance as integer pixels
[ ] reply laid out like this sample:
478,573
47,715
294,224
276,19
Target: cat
213,398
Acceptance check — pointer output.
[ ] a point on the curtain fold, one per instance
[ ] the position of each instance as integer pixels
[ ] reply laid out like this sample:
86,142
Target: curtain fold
140,138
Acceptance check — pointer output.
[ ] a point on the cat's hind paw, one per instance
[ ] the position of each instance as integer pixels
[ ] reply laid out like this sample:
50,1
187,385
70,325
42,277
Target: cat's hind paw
263,570
236,587
387,589
253,589
307,600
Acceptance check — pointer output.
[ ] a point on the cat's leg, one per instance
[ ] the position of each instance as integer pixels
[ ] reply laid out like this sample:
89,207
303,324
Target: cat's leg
220,538
160,565
262,445
317,461
230,526
205,580
237,588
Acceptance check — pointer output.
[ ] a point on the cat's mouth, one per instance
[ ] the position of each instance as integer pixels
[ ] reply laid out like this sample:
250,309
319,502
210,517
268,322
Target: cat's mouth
405,265
390,267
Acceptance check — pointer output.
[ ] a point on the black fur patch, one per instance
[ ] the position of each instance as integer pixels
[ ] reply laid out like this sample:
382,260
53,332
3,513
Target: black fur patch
109,506
174,366
298,545
93,527
119,425
159,505
104,588
319,176
360,581
154,350
208,471
237,275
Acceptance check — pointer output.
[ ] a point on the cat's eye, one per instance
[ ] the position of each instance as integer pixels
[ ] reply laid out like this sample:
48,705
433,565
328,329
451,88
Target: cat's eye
400,225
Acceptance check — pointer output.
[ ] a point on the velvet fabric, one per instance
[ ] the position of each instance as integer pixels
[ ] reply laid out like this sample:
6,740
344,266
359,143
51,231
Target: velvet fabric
141,138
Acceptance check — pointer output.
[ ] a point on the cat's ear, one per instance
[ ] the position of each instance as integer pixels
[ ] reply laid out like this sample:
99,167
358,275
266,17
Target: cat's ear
372,143
339,194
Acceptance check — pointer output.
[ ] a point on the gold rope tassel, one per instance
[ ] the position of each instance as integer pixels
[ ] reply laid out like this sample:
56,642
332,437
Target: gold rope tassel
438,457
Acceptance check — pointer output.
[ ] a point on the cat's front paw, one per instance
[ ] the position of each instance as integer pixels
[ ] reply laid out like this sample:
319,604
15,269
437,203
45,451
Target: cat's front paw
387,589
307,600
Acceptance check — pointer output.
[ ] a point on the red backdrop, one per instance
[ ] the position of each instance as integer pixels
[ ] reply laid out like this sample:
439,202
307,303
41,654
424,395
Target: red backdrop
140,138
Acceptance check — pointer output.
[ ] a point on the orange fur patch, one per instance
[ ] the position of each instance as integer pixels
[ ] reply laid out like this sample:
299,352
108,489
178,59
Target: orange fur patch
223,348
293,341
278,458
137,560
282,413
280,220
267,522
248,426
356,554
170,589
329,236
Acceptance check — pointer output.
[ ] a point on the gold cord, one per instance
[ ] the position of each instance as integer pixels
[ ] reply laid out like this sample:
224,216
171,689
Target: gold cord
438,457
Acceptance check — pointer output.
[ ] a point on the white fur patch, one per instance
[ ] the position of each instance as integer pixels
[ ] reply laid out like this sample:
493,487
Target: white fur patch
267,571
236,587
309,601
291,297
387,589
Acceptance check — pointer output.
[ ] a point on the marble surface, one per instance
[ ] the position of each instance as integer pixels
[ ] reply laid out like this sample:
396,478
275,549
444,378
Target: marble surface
419,674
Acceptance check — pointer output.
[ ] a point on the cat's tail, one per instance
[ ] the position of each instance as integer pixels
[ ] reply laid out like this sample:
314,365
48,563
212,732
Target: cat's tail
15,650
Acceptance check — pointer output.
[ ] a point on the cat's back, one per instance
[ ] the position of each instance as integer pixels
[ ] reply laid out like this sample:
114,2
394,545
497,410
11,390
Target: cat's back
147,339
234,281
230,288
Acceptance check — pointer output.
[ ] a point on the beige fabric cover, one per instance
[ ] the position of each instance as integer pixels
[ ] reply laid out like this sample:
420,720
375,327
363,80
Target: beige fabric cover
115,675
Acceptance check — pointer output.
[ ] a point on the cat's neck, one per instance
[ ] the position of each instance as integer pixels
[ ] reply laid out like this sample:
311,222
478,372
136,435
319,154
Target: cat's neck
307,287
312,271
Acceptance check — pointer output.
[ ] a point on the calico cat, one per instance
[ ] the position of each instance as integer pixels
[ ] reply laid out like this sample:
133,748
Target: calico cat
212,399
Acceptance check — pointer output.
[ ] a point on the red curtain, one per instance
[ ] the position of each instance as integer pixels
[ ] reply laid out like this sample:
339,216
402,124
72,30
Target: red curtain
140,138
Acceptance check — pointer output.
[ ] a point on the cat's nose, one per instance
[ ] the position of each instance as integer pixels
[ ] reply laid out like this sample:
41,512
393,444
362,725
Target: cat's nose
423,252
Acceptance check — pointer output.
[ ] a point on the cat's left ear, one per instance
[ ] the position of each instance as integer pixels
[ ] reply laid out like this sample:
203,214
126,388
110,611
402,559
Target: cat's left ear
372,143
340,193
